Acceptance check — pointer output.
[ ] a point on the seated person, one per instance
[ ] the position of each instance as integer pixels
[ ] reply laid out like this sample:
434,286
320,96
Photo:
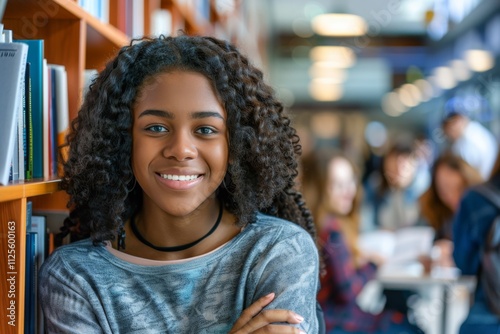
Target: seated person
331,188
471,224
451,176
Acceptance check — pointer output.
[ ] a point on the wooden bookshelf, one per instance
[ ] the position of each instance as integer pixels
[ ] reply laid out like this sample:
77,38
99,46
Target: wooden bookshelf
13,199
73,38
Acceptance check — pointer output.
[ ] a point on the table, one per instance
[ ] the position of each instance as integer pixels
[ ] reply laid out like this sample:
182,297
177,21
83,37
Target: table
426,281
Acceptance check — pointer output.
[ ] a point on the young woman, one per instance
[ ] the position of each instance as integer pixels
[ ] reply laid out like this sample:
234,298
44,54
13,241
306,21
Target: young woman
336,202
181,168
450,178
471,225
392,193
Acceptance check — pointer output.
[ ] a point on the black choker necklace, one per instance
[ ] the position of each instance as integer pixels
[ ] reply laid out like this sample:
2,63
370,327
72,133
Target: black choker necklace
174,248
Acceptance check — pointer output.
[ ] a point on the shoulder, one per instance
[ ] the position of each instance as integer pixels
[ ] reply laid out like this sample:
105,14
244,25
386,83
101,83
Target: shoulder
473,198
476,211
70,258
273,231
267,223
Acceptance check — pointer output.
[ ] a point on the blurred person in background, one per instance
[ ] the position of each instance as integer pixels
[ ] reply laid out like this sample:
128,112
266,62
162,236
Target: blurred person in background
393,192
468,138
330,184
450,178
391,201
471,225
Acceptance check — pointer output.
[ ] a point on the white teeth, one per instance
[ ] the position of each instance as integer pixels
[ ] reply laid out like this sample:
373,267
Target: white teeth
179,177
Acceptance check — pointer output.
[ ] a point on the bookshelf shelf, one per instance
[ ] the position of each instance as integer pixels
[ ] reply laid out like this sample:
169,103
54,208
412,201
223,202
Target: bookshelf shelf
28,189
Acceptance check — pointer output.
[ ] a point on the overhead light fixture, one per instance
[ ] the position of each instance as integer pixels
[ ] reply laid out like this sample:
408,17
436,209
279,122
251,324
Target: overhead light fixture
336,56
409,95
339,24
479,60
324,90
327,71
460,69
444,77
425,88
392,105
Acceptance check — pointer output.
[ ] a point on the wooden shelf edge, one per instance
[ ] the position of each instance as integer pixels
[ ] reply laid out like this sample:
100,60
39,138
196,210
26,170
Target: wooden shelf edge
202,26
111,33
27,189
28,10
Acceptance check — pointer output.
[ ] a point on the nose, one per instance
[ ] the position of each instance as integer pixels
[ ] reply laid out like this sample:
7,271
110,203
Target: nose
180,146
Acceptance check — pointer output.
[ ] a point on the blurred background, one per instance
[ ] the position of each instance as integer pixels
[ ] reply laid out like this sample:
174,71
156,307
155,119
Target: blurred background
394,77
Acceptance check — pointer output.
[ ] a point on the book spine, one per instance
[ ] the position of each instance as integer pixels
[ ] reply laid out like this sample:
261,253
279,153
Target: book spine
29,126
35,57
47,105
21,133
39,226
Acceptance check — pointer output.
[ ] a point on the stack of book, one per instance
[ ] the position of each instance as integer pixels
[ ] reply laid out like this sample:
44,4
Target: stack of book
34,111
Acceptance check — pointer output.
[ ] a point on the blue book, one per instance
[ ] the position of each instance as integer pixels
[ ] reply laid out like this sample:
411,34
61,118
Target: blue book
39,226
29,214
30,283
35,58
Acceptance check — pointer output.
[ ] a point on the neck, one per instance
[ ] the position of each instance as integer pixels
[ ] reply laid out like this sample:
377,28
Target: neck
177,232
176,248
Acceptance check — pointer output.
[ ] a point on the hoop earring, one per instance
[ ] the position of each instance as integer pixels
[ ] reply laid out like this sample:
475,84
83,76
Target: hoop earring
133,186
226,187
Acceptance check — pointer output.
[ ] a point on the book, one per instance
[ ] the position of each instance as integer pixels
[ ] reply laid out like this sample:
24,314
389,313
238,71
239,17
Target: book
401,249
35,58
21,132
29,214
61,117
47,111
39,226
12,68
28,164
30,283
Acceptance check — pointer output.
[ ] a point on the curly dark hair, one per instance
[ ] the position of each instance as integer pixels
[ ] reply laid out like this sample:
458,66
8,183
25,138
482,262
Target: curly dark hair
263,148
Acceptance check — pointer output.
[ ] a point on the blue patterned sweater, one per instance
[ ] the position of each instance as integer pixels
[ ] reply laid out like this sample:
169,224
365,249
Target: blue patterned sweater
86,289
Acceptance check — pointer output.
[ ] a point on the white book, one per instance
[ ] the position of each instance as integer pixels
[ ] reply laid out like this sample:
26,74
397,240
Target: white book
401,249
61,107
12,68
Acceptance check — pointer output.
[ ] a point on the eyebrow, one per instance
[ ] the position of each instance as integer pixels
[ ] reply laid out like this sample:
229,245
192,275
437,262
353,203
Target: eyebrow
169,115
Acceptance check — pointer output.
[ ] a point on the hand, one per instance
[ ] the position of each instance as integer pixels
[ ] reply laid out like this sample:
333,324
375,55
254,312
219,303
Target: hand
374,258
254,320
443,253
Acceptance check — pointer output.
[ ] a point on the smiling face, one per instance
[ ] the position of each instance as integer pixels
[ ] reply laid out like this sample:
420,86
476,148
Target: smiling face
180,142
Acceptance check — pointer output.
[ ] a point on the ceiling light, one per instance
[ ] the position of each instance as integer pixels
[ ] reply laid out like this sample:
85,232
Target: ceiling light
337,56
325,70
479,60
339,24
391,104
322,90
460,69
425,88
409,95
444,77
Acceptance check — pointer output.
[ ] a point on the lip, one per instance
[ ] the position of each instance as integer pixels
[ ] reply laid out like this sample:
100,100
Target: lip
179,184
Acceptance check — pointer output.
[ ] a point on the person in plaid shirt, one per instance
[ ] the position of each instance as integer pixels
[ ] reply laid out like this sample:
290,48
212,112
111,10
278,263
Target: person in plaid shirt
331,187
